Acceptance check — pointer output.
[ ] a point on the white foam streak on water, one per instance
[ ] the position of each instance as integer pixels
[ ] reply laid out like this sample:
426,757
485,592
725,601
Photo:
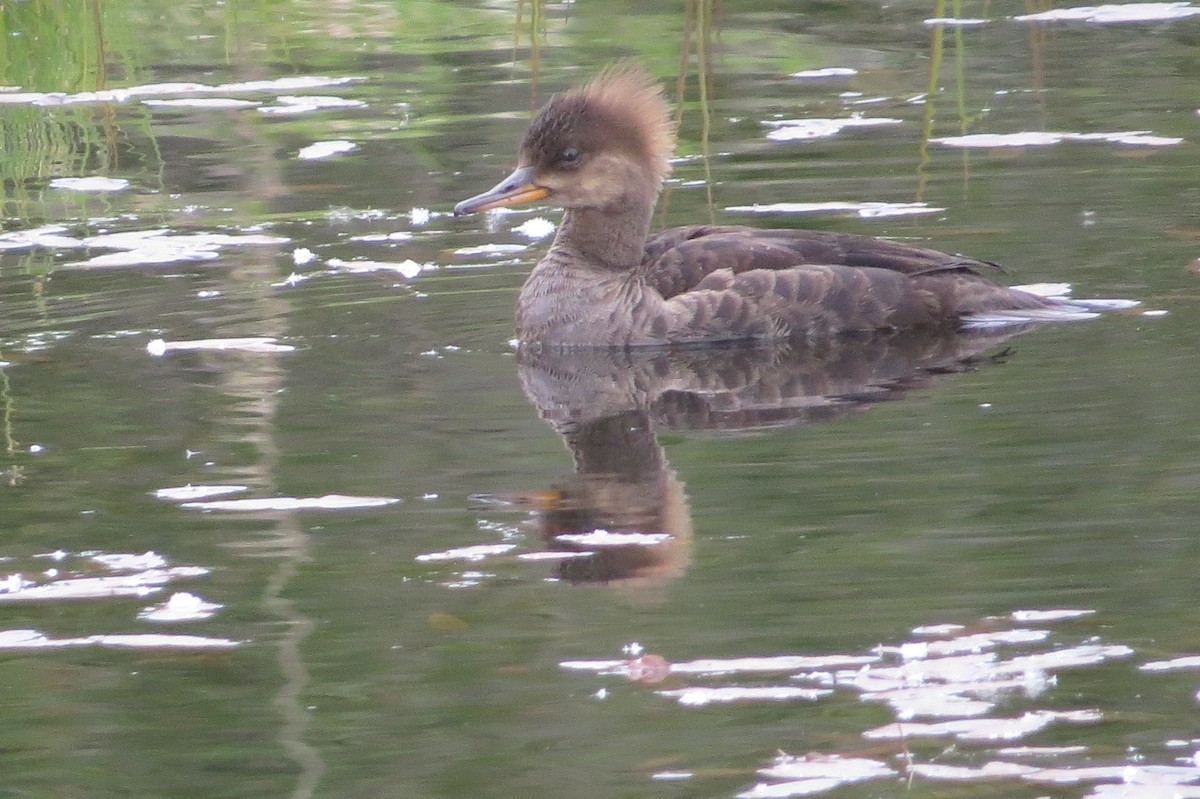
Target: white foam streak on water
325,149
793,129
768,664
865,210
407,268
1141,138
937,629
160,245
472,553
1050,615
1115,13
977,642
603,538
961,22
826,766
1040,751
698,697
196,492
294,83
32,639
118,561
990,729
602,666
929,702
45,236
553,555
327,502
1175,664
1121,791
815,773
928,679
180,607
536,228
1071,657
399,235
138,584
90,183
203,102
496,250
257,344
826,72
991,770
290,104
1128,774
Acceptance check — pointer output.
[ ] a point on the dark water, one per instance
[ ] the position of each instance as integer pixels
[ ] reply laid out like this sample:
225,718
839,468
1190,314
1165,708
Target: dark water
818,504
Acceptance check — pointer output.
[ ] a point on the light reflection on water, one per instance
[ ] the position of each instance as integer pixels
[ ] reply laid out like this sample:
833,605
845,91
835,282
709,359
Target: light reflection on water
189,307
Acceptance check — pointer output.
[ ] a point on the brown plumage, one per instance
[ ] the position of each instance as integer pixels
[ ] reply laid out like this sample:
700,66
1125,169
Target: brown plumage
601,152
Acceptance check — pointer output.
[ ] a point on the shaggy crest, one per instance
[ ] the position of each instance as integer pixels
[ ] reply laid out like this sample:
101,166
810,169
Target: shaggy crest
626,101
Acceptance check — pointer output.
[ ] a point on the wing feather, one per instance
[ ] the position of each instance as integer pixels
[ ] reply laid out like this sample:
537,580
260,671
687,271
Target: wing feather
676,260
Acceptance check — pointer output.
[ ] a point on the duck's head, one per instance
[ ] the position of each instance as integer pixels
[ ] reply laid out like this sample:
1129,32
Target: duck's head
602,145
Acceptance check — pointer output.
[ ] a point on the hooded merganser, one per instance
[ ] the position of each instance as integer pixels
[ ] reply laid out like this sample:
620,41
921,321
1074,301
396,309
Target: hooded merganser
602,150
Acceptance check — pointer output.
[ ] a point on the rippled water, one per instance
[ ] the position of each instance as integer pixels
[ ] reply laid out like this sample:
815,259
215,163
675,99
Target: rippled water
283,513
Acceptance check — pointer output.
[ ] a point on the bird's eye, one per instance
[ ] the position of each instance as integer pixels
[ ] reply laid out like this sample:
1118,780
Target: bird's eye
571,156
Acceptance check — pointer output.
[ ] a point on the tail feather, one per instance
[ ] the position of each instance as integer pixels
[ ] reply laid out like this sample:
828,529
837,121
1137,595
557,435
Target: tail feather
1058,313
1063,308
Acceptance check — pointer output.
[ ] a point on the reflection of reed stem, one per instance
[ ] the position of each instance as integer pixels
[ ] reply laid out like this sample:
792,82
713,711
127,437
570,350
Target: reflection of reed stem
703,73
697,16
931,90
685,51
10,443
101,54
960,88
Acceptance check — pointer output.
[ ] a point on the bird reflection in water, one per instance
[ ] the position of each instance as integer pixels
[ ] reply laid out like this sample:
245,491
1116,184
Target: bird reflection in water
623,518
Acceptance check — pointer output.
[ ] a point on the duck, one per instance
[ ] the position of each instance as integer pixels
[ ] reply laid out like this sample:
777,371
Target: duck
601,151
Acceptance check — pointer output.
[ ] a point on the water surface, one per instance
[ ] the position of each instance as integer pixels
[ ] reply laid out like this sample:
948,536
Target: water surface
215,308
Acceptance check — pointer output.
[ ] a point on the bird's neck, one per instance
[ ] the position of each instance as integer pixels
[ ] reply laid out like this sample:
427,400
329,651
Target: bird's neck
610,238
